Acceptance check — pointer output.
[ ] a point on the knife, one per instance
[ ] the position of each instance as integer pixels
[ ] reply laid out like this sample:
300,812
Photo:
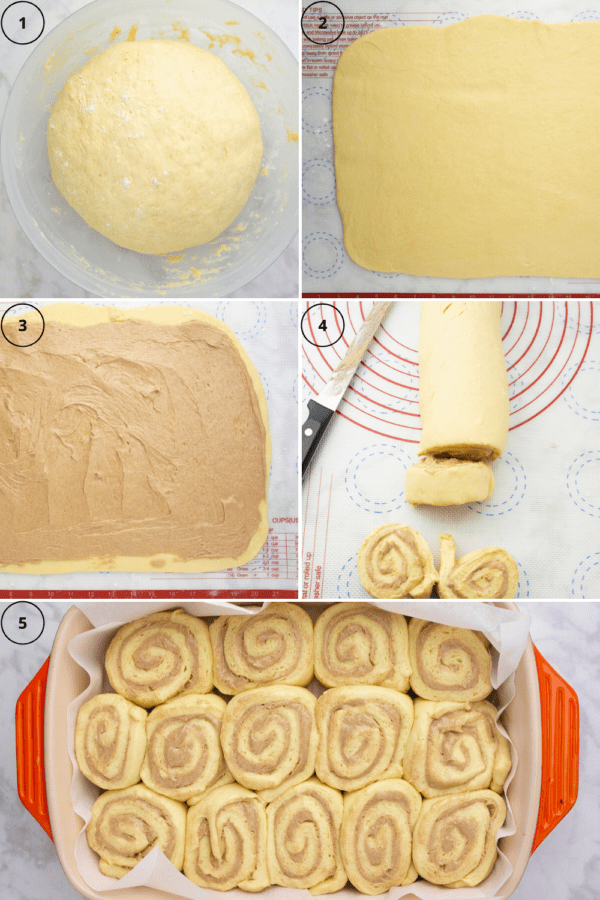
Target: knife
322,409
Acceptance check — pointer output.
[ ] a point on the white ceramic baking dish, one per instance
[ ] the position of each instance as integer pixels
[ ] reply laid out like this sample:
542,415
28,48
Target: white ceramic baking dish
543,722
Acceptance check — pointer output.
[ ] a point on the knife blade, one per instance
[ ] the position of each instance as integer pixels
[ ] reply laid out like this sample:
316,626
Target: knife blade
322,409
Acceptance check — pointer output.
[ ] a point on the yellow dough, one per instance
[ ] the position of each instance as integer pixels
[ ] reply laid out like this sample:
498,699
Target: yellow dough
117,454
439,481
156,144
463,383
471,150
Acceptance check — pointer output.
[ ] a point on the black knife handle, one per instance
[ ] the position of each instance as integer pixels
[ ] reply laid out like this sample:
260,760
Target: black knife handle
313,430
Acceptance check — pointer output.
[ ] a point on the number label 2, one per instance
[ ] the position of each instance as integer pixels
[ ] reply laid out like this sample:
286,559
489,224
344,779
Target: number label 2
323,21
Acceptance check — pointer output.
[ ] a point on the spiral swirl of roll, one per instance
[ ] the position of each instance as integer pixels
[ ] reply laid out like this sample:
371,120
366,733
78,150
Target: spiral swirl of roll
152,659
456,747
395,561
362,735
303,838
127,824
269,738
356,643
487,574
275,646
184,757
454,841
448,663
110,741
376,836
226,841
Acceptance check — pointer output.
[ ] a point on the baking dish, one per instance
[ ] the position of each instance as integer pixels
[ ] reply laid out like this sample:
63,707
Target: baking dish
543,722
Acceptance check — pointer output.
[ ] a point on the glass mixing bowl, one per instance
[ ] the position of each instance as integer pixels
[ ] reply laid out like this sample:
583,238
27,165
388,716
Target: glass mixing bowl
267,223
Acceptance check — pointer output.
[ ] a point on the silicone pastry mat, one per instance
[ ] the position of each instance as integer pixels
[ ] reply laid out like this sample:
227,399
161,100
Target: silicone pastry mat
326,266
545,509
268,331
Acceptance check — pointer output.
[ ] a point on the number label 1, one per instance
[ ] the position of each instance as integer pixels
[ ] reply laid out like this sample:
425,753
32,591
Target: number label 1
22,21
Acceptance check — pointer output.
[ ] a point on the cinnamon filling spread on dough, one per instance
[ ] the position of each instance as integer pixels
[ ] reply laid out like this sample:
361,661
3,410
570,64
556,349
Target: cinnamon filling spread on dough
128,439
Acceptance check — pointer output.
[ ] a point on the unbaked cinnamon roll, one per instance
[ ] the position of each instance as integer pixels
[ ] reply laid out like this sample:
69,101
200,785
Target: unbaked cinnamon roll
363,732
357,643
456,747
183,757
110,741
376,836
269,738
448,663
303,838
487,574
275,646
395,561
226,841
152,659
454,841
127,824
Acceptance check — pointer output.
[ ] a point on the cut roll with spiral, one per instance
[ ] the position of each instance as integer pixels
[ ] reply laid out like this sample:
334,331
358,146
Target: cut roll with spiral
127,824
454,841
303,838
448,663
275,646
376,836
456,747
226,841
110,741
487,574
269,738
357,643
183,755
152,659
395,561
363,732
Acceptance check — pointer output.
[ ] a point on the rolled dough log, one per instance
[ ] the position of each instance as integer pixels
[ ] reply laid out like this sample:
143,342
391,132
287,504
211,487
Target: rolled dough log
156,144
471,150
438,481
463,386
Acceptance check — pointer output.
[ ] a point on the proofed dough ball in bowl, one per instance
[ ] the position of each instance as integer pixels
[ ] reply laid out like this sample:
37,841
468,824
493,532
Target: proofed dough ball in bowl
156,144
223,213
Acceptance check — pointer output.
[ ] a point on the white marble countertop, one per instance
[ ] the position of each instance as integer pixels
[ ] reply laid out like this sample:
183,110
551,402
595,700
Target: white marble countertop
564,867
24,271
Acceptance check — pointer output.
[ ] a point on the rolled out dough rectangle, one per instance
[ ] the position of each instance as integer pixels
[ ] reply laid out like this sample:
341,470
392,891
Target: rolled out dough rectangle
471,150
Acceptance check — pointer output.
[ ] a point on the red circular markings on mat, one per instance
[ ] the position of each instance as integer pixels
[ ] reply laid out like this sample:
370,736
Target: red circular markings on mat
543,351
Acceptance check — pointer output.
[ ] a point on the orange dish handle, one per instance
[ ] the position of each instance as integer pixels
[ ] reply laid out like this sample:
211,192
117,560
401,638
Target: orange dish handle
560,749
29,721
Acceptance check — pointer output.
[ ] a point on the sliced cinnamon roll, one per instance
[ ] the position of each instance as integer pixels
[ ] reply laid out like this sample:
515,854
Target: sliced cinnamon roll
357,643
152,659
456,747
226,841
363,732
183,757
269,738
448,663
275,646
303,838
110,741
376,836
454,841
487,574
127,824
395,561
